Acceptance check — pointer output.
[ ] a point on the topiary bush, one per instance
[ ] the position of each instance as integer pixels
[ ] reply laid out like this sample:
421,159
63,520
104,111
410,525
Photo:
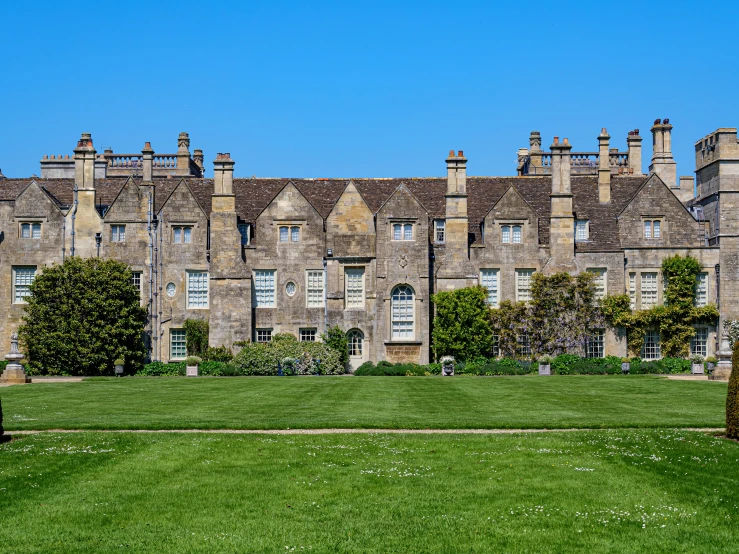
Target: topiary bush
732,399
262,358
161,369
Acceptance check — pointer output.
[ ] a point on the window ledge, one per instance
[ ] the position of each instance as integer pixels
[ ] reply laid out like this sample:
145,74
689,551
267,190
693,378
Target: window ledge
404,342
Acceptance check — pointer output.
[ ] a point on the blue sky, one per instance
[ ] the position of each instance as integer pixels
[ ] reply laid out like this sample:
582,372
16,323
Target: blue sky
363,89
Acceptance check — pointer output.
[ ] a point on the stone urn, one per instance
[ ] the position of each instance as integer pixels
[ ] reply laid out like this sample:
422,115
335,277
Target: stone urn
14,373
447,366
625,366
545,365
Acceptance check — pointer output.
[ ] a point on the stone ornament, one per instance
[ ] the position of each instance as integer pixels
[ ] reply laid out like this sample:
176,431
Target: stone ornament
171,289
290,289
14,373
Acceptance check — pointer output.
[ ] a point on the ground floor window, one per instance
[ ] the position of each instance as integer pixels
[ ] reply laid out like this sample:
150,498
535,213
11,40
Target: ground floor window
699,343
595,346
524,345
177,344
356,342
651,349
307,335
496,346
264,335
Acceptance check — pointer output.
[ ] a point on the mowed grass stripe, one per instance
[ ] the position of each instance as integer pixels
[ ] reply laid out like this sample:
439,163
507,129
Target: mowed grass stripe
600,491
370,402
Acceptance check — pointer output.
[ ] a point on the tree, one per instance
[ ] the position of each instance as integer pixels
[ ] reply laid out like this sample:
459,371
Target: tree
81,316
732,400
336,339
462,324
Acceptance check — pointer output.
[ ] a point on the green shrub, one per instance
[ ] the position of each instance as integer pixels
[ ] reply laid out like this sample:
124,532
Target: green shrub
119,361
462,324
388,369
218,354
732,399
197,333
193,360
161,369
81,316
336,339
262,358
366,366
217,369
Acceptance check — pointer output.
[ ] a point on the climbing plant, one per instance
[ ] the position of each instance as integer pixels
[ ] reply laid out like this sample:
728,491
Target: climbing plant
197,332
675,320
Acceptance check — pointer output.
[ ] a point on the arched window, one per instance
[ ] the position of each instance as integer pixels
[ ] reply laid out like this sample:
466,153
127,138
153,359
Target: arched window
355,338
402,312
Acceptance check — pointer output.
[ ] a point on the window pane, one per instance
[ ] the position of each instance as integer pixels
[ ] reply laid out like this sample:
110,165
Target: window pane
264,335
354,287
632,290
408,232
505,233
524,345
701,290
517,234
187,235
197,289
283,234
356,342
244,230
315,289
25,230
596,344
599,282
23,277
648,290
698,344
656,229
402,312
651,345
523,284
440,231
177,344
396,231
264,288
136,280
178,235
36,230
647,229
308,335
294,234
489,280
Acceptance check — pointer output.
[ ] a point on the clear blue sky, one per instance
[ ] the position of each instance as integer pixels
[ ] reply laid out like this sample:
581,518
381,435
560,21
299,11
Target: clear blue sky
313,89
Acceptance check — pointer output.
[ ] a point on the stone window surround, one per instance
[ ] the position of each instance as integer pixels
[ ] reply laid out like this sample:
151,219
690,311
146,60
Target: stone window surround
188,275
403,225
662,227
182,227
349,269
263,333
118,232
408,332
279,223
309,289
33,224
23,270
511,223
440,228
586,222
308,334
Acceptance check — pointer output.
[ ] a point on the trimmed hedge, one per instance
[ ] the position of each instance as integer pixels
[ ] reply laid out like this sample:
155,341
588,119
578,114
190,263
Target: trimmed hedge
732,399
160,369
263,358
387,369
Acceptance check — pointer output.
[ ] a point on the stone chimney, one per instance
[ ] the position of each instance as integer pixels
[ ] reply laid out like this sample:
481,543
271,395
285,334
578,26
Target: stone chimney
223,177
148,162
198,158
183,154
456,171
84,163
662,162
535,150
453,261
562,220
633,141
604,167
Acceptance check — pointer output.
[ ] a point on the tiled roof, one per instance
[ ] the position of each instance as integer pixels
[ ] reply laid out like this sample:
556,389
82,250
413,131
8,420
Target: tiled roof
253,195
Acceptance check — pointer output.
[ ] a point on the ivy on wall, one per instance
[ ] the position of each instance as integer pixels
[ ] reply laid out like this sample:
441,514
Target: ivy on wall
197,333
675,320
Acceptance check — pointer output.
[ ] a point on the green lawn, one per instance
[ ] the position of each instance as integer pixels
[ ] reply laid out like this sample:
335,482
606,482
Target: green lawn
366,402
602,491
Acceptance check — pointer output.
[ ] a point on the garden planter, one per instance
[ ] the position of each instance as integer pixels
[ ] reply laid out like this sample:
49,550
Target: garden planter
545,369
696,369
710,366
119,371
625,367
447,370
192,371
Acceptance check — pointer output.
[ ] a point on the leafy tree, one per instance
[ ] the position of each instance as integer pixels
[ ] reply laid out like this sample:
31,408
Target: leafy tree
732,400
462,324
81,316
197,335
336,339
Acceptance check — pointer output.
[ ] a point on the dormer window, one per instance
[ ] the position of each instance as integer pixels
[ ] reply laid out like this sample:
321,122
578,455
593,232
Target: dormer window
182,235
402,231
510,234
118,233
30,230
652,229
582,229
440,231
289,234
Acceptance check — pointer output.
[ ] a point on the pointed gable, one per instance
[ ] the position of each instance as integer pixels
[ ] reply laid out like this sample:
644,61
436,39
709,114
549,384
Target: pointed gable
181,205
289,204
401,204
654,201
130,204
34,202
512,205
350,227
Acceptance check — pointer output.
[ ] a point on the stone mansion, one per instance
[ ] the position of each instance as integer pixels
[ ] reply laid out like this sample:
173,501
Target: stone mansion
258,256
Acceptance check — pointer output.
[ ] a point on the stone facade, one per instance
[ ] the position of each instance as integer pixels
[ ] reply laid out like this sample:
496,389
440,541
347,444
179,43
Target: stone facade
261,256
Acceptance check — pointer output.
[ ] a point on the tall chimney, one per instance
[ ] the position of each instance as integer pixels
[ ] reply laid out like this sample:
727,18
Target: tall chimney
198,158
662,162
84,163
633,141
183,154
456,171
223,174
562,220
535,150
604,167
148,162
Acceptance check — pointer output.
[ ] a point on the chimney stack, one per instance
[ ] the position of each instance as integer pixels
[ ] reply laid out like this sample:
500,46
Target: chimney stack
223,173
663,163
633,141
604,167
198,158
456,169
183,154
562,220
148,162
84,163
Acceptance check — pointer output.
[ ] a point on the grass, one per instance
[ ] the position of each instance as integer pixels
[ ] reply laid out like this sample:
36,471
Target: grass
602,491
366,402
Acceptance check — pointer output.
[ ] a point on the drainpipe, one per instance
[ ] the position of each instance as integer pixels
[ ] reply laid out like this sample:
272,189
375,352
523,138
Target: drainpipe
160,278
325,295
74,216
64,238
152,355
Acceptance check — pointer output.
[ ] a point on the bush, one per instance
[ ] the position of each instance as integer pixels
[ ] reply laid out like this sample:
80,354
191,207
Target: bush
119,361
197,332
388,369
218,354
81,316
462,323
217,369
732,399
262,358
193,360
336,338
160,369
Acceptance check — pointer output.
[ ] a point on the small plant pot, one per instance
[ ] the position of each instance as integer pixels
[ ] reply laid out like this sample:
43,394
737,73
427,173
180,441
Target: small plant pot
625,367
545,369
119,371
710,366
447,370
191,371
696,369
